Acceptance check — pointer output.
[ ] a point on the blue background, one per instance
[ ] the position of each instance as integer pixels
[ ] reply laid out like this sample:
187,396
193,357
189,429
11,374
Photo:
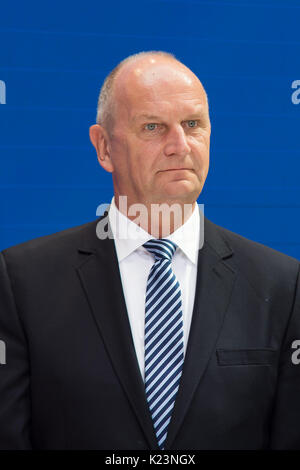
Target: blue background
53,59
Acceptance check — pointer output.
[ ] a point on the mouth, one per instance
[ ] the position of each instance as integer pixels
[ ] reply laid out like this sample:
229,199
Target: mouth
177,169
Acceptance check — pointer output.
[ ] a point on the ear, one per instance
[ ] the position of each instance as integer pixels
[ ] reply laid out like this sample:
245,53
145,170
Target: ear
100,140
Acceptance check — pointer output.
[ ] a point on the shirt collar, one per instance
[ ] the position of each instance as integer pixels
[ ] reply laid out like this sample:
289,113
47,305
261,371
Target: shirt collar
129,236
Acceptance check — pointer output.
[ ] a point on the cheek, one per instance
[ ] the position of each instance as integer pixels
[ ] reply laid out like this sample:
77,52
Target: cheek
200,152
118,151
122,157
148,157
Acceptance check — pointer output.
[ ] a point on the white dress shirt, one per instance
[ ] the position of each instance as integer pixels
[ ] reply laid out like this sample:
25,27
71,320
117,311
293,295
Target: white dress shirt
135,263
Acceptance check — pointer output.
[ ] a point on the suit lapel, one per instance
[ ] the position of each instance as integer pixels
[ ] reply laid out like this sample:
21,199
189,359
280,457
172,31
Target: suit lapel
100,277
215,280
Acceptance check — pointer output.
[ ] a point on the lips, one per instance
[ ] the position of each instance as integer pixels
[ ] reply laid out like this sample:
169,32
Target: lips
177,169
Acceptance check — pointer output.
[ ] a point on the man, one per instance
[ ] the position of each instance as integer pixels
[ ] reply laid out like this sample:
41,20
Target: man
158,340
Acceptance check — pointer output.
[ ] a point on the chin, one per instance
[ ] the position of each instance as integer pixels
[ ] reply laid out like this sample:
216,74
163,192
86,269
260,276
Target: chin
183,191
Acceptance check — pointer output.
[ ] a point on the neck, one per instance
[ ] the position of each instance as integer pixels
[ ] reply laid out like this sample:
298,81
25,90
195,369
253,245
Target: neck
159,220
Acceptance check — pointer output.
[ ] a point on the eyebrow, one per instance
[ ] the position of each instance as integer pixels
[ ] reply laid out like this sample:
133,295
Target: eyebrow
147,117
151,117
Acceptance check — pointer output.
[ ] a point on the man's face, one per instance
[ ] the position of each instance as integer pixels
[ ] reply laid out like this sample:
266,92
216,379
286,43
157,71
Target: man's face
159,143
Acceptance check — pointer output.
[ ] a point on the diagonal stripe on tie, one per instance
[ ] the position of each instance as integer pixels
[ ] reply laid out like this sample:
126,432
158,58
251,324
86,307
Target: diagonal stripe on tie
163,337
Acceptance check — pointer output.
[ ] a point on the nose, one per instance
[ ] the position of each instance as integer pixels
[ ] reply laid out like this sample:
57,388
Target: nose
176,142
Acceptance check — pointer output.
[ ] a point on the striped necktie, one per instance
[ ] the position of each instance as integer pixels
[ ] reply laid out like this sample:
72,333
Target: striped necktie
164,352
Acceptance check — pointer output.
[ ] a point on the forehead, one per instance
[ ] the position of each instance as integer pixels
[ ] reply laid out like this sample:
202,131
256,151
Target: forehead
158,87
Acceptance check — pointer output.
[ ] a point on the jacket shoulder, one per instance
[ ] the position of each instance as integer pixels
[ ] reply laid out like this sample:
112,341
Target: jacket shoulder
250,254
64,241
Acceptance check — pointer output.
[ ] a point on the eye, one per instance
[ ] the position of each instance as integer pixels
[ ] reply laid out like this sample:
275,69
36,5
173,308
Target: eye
192,123
151,126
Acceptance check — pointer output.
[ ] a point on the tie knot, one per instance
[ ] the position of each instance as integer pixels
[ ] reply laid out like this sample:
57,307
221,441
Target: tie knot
161,248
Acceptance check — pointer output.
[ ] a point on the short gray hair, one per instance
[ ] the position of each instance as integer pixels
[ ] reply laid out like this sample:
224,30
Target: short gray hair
105,100
105,108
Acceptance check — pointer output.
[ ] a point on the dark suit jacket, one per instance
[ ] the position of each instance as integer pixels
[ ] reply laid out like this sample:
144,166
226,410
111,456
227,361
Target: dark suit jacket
71,378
